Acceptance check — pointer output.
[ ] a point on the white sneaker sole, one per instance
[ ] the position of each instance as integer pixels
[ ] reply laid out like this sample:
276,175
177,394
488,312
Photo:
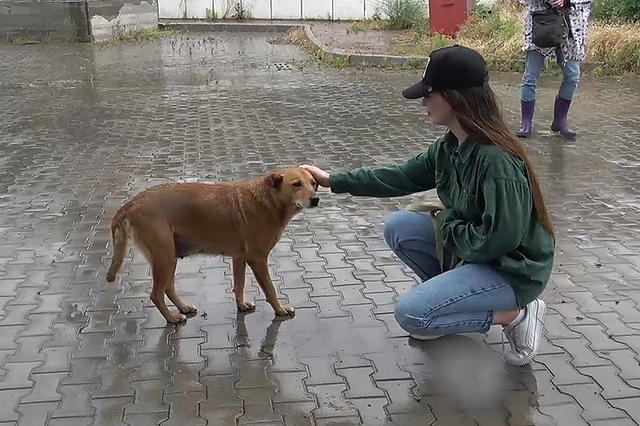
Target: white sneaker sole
426,338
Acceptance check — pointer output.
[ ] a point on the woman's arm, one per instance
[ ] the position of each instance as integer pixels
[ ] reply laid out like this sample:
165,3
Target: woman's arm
415,175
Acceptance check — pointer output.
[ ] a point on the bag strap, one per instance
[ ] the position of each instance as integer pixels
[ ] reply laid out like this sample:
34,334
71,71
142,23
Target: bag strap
433,209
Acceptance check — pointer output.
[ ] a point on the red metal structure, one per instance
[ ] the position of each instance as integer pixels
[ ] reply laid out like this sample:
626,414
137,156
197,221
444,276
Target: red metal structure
446,16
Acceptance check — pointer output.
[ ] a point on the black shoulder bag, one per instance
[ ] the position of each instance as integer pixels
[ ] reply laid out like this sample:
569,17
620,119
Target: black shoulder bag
548,27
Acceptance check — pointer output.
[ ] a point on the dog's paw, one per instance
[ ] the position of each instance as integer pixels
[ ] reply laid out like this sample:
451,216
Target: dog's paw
176,318
285,310
188,308
246,306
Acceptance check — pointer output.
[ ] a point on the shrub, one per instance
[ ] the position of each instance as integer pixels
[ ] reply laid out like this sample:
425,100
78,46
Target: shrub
617,11
405,14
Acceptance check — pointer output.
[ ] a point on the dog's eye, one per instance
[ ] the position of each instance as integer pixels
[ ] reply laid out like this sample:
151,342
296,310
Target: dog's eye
297,183
314,184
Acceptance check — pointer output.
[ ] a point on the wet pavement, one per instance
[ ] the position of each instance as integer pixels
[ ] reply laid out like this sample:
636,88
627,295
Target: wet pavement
82,128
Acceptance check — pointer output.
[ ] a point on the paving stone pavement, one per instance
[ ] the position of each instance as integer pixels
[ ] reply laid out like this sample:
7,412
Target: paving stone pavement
82,128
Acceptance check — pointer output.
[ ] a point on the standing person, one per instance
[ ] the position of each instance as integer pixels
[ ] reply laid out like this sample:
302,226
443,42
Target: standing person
494,219
569,56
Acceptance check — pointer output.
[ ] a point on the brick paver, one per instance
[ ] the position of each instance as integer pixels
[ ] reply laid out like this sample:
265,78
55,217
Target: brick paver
82,128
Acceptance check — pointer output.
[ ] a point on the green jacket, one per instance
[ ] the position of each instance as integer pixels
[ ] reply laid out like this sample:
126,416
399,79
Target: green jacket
489,216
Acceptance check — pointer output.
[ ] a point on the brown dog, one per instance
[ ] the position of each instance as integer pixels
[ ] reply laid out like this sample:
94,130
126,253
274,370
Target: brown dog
242,220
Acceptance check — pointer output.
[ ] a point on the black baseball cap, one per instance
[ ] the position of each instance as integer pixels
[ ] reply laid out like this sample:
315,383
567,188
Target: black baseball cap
455,67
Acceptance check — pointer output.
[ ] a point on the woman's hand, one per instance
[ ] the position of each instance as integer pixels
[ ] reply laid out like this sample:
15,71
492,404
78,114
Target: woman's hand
557,3
319,175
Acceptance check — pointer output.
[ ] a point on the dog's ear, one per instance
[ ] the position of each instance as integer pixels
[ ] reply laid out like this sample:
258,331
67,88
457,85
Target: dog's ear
274,180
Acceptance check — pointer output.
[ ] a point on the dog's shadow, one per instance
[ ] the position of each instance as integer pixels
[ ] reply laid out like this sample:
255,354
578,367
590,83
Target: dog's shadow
465,371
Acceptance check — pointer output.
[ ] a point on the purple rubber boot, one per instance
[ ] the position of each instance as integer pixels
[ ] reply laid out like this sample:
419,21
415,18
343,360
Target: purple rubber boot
560,112
527,108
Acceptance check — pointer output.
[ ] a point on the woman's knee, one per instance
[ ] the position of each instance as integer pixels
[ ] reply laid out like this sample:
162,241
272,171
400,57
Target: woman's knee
571,74
530,78
404,315
570,80
410,315
529,84
400,225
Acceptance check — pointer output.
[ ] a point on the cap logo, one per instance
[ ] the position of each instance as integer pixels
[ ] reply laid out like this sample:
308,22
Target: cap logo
424,75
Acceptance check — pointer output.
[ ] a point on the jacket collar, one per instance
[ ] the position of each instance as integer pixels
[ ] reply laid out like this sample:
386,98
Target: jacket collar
462,151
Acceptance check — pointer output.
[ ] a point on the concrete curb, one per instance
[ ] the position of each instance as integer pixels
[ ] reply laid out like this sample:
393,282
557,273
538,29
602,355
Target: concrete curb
339,55
365,59
335,55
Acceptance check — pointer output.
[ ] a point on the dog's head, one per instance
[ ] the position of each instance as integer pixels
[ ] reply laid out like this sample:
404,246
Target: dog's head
294,186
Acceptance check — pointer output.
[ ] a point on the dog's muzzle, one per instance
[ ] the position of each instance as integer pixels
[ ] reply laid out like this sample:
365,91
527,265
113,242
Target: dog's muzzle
315,201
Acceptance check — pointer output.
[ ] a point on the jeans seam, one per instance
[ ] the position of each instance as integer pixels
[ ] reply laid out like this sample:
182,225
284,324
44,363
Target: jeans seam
459,298
486,323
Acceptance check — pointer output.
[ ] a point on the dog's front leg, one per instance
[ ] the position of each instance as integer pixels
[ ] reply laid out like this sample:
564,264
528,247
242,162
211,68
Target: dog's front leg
239,268
260,269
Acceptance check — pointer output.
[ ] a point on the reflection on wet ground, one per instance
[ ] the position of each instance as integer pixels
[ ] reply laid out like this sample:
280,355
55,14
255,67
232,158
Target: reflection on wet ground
82,128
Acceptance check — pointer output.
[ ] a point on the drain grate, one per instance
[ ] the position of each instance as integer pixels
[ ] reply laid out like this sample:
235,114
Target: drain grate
279,66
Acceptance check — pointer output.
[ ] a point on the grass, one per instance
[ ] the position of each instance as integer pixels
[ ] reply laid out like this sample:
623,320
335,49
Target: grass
299,37
211,14
412,45
404,14
240,12
498,35
122,36
400,15
374,24
617,11
617,46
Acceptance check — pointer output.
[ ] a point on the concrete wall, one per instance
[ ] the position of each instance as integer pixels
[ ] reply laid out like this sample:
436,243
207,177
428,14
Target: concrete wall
58,20
271,9
81,20
110,18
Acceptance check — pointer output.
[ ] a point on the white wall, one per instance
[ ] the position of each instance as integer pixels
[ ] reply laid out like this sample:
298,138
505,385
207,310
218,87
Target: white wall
131,17
272,9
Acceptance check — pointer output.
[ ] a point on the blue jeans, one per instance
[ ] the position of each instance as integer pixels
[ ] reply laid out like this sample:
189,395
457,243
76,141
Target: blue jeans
534,63
461,300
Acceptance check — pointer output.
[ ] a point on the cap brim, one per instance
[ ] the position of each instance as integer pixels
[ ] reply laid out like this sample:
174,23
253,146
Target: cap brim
418,90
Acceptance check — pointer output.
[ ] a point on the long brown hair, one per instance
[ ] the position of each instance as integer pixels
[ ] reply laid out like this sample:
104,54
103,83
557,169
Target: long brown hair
480,116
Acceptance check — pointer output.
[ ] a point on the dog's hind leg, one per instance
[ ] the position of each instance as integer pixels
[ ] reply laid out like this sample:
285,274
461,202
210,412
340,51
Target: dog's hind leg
239,268
185,308
155,238
163,271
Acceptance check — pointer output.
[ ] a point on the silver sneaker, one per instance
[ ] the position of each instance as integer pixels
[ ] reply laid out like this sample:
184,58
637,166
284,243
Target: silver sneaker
524,338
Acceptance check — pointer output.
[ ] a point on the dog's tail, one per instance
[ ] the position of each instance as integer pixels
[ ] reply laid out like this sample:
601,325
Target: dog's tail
120,238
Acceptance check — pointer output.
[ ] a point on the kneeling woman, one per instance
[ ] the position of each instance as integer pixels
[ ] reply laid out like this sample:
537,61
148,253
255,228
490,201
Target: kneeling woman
494,219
